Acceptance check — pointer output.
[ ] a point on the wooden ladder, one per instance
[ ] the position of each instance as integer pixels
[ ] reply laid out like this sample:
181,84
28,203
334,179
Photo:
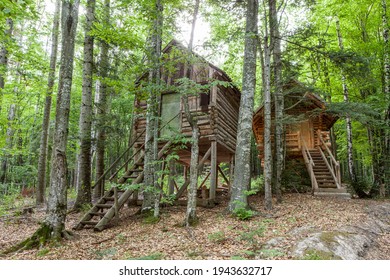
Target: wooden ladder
109,205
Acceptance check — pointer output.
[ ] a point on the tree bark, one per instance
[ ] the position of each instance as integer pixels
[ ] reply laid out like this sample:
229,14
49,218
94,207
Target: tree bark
4,57
279,100
9,141
351,167
85,123
386,88
101,106
191,217
241,181
267,126
151,190
57,201
43,149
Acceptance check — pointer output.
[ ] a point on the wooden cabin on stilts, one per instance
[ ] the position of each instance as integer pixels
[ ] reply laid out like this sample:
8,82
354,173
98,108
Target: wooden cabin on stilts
307,137
216,109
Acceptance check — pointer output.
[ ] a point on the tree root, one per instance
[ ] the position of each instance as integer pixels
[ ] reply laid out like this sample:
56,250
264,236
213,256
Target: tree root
41,237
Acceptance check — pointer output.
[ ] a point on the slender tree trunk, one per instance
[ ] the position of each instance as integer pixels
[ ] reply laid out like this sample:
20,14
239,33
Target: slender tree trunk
85,124
191,217
151,192
4,57
279,99
57,202
267,126
101,107
386,88
351,167
40,194
9,141
241,181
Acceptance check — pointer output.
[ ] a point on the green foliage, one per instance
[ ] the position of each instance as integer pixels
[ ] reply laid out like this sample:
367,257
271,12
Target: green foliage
295,177
105,254
217,237
257,185
43,252
251,233
151,257
243,213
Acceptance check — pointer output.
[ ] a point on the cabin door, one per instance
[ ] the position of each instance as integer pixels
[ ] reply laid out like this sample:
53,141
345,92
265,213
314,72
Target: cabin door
170,107
307,134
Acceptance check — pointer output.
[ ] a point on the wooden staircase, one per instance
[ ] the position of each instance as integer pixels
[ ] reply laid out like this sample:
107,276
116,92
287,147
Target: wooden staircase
109,205
324,171
113,200
327,185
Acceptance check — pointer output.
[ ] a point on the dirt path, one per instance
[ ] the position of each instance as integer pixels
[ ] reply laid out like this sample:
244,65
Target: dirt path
272,235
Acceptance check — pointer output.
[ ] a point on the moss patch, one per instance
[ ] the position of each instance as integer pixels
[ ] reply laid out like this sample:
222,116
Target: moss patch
312,254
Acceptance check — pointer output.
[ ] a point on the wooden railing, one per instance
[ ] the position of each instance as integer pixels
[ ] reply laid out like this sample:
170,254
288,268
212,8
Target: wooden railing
102,178
309,164
332,164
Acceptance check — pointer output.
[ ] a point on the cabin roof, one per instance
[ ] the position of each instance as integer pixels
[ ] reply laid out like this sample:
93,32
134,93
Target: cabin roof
176,44
299,95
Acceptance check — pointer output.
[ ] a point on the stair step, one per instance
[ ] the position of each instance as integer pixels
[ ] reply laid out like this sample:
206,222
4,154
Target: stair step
135,170
130,177
139,164
110,198
104,205
331,190
91,223
333,195
101,214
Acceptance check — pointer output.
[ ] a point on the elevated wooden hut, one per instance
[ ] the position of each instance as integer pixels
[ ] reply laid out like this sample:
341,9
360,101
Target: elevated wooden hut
216,110
307,136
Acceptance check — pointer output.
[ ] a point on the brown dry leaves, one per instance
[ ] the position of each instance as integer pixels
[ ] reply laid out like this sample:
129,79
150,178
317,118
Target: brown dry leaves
217,236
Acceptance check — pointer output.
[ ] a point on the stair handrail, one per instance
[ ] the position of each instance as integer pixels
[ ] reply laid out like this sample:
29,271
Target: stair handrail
335,167
309,163
126,151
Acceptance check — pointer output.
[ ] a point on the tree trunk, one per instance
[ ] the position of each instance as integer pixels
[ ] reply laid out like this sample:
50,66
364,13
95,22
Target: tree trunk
241,181
279,99
101,107
151,190
351,167
267,126
85,124
40,193
57,201
4,57
386,88
9,141
191,217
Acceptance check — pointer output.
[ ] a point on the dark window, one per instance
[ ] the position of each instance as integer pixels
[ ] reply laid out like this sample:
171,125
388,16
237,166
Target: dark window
204,101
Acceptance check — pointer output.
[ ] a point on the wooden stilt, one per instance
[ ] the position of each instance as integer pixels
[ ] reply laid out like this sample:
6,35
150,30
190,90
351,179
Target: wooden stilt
231,172
172,174
214,171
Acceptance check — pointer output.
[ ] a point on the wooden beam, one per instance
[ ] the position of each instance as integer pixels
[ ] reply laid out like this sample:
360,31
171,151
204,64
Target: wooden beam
223,175
214,171
187,181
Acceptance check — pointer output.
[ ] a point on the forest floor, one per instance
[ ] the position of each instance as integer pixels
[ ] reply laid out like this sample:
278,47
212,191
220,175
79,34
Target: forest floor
217,236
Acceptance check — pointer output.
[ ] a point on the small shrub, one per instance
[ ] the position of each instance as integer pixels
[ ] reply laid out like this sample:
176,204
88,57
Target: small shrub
43,252
105,254
243,214
217,237
152,257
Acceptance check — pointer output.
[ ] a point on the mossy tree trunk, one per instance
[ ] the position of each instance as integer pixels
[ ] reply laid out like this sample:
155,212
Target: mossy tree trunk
242,170
85,123
43,149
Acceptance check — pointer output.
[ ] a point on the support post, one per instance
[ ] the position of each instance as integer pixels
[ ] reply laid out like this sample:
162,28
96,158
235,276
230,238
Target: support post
214,171
231,173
